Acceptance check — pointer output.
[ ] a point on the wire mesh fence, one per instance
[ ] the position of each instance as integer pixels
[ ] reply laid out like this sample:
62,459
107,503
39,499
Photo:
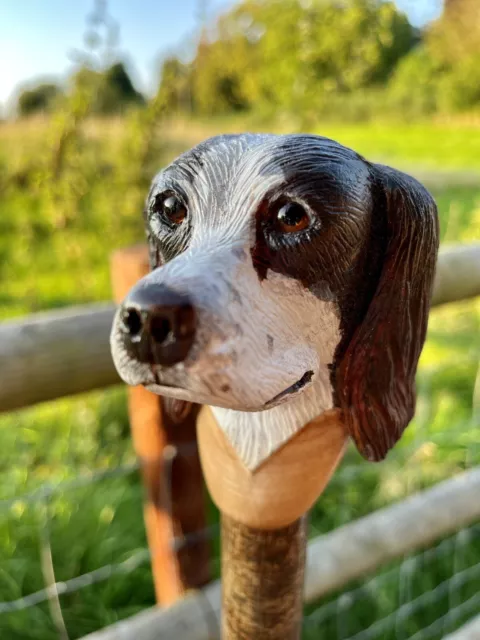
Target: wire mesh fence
41,496
425,595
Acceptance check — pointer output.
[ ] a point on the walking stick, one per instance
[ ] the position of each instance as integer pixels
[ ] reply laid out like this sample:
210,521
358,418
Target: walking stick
289,295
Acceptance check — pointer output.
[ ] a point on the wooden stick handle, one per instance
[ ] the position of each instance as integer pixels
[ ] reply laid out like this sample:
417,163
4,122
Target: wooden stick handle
285,486
262,581
264,523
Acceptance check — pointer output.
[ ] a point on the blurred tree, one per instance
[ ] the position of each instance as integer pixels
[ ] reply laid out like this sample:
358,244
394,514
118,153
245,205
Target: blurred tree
41,98
444,74
117,90
291,53
415,86
459,87
456,35
175,87
220,72
64,174
112,89
351,45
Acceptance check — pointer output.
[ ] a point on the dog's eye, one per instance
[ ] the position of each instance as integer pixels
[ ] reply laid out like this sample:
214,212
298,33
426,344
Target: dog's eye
292,217
171,208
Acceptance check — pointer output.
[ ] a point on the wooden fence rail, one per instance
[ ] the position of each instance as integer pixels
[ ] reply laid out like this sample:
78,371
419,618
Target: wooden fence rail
55,354
470,631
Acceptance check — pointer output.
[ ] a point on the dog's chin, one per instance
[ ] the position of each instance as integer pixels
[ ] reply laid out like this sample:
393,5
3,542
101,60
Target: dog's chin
198,397
182,393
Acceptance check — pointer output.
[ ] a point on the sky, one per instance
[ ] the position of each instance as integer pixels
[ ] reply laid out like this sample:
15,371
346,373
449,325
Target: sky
36,36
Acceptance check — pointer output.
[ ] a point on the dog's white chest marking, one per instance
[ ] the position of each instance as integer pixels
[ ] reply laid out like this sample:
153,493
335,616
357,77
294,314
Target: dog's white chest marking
256,435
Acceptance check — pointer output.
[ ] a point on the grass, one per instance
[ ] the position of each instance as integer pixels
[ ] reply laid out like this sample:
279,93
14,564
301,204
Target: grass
54,252
431,146
428,145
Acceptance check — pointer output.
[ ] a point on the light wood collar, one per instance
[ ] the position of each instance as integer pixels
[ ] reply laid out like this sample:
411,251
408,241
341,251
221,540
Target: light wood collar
285,486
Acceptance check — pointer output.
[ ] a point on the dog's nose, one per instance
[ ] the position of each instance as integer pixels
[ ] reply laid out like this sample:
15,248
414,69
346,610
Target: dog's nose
158,325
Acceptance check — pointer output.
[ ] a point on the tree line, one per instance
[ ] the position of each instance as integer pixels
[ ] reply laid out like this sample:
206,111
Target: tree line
341,58
112,92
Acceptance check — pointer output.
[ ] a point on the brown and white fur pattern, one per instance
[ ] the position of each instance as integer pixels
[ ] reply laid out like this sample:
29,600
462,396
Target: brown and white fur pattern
275,314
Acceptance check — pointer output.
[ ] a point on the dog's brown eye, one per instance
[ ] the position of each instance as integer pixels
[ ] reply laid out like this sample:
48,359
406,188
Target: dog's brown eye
171,208
292,217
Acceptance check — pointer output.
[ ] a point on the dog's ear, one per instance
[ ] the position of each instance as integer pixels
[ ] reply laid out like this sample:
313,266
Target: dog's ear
376,375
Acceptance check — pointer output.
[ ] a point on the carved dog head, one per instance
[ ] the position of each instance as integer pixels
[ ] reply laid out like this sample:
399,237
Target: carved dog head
289,276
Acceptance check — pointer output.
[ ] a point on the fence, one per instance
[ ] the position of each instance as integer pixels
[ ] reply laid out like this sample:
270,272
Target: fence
333,560
38,354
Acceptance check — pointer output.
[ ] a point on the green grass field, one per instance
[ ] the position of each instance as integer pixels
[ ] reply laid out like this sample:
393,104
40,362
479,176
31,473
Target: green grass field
54,252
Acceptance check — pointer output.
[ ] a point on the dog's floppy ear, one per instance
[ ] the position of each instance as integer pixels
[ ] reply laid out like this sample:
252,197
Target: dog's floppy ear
376,376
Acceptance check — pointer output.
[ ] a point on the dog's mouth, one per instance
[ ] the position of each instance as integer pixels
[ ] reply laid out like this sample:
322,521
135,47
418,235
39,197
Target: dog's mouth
296,386
167,386
161,383
292,389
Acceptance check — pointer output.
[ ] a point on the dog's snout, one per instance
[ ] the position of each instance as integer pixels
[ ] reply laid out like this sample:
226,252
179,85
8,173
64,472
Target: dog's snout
158,325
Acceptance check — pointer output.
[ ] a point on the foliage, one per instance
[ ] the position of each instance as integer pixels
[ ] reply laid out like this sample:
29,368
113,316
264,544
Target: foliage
289,54
459,89
355,59
455,37
423,85
175,88
414,88
100,82
41,98
63,172
318,58
443,74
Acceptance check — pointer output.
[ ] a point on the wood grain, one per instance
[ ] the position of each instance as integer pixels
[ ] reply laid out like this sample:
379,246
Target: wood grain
54,354
262,579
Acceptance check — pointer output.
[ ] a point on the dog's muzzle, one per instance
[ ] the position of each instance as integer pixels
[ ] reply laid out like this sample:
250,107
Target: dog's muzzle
157,325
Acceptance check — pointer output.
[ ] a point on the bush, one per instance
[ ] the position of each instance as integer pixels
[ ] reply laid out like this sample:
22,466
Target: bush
41,98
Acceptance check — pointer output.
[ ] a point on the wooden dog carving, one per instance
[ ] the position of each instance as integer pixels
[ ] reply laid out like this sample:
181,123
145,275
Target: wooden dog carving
290,276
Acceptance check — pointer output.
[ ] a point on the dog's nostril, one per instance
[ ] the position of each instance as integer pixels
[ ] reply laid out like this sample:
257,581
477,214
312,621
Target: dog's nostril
160,328
133,321
158,325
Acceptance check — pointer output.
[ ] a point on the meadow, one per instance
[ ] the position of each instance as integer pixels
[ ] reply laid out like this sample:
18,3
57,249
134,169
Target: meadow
63,209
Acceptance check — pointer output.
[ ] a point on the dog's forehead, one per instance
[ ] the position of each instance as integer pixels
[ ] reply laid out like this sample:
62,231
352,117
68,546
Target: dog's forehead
221,162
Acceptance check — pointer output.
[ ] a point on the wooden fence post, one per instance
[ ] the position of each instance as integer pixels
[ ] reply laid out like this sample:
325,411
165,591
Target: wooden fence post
164,439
